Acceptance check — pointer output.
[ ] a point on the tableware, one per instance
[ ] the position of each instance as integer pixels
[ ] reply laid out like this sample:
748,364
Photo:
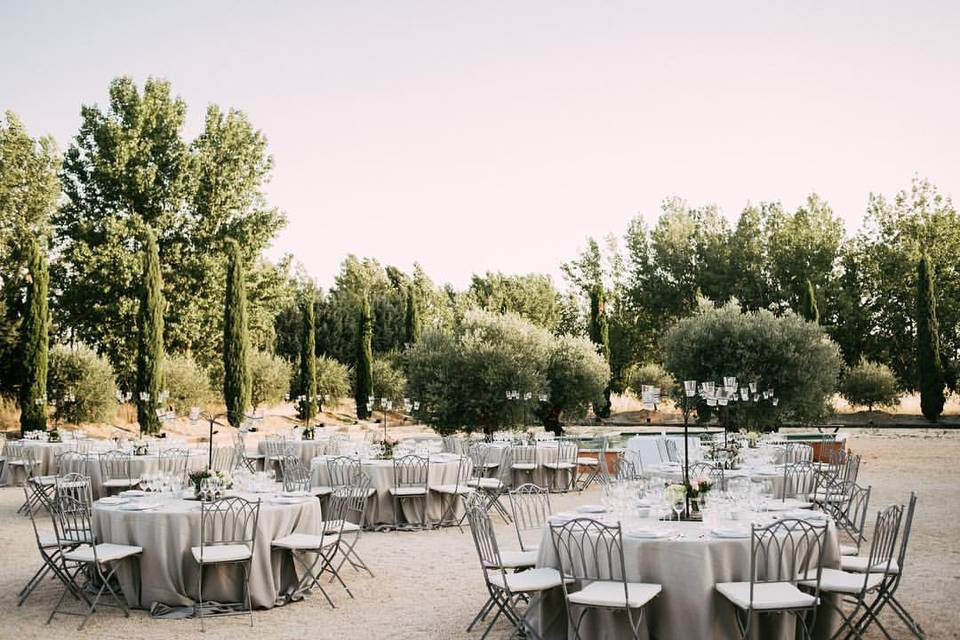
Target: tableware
650,534
592,508
133,493
112,500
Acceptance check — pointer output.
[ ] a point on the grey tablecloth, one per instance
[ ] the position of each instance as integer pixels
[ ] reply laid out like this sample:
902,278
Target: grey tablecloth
542,476
442,471
689,607
45,453
149,463
168,570
307,450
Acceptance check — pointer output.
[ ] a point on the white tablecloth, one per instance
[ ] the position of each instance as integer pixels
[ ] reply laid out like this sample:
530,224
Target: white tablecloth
688,607
167,568
442,470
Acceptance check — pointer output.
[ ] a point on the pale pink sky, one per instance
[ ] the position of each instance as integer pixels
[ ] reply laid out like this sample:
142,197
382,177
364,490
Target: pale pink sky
477,136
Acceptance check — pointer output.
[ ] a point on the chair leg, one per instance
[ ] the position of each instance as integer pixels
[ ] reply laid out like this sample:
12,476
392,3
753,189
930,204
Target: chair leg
199,606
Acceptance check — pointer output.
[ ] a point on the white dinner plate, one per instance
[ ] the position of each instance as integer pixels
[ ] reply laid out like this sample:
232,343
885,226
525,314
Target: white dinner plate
650,534
560,518
133,493
110,500
591,508
730,532
289,499
805,514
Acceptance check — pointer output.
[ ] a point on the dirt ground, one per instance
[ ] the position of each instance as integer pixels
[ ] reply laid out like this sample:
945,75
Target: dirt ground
428,584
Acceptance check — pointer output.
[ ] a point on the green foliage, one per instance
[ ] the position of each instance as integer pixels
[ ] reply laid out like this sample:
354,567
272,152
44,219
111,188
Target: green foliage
34,344
461,377
333,379
186,382
363,388
577,377
531,296
650,374
29,188
600,336
308,362
412,320
150,338
808,307
269,378
388,380
236,341
88,378
128,168
928,343
784,353
869,384
895,234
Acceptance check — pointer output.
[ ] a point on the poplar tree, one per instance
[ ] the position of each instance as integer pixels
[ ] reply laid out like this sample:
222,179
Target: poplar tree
929,366
809,309
236,341
150,338
412,319
600,336
34,344
364,368
308,361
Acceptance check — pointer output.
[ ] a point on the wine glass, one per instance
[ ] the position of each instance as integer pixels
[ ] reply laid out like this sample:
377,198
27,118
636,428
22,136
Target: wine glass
677,508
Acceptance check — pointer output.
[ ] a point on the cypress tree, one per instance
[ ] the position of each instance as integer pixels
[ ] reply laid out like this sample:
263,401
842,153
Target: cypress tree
236,341
150,337
809,308
364,368
412,317
308,361
34,345
928,343
600,335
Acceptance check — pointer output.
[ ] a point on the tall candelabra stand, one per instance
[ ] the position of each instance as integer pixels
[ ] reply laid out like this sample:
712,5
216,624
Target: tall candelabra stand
196,414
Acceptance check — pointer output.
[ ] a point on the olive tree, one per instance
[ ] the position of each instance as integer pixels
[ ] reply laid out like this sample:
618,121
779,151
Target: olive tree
868,384
787,354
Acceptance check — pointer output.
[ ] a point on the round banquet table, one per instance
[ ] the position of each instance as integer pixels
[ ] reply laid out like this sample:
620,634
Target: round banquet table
45,453
687,564
168,570
306,450
139,465
541,475
773,475
442,470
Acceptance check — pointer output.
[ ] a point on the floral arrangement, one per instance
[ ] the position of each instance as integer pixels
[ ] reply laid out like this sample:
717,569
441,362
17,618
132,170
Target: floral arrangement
307,432
753,437
675,492
388,443
196,477
54,436
139,447
699,486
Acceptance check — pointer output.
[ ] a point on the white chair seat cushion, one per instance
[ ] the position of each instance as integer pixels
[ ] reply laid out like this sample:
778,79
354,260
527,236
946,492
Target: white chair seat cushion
452,489
253,456
347,526
408,491
304,541
858,564
837,581
320,491
485,483
518,559
47,540
766,595
491,465
848,550
121,482
587,462
559,465
523,466
221,553
46,481
528,581
106,552
605,593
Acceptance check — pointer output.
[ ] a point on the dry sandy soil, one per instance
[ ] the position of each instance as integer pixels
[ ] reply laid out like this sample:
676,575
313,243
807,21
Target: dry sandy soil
428,584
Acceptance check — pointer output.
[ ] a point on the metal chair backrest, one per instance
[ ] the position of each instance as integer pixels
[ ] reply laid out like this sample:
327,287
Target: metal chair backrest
296,476
229,520
798,452
342,470
589,550
349,502
787,550
71,462
672,454
626,469
76,485
114,465
907,528
225,458
798,480
13,451
485,542
410,472
713,472
72,523
567,451
174,462
884,542
523,454
851,470
530,507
